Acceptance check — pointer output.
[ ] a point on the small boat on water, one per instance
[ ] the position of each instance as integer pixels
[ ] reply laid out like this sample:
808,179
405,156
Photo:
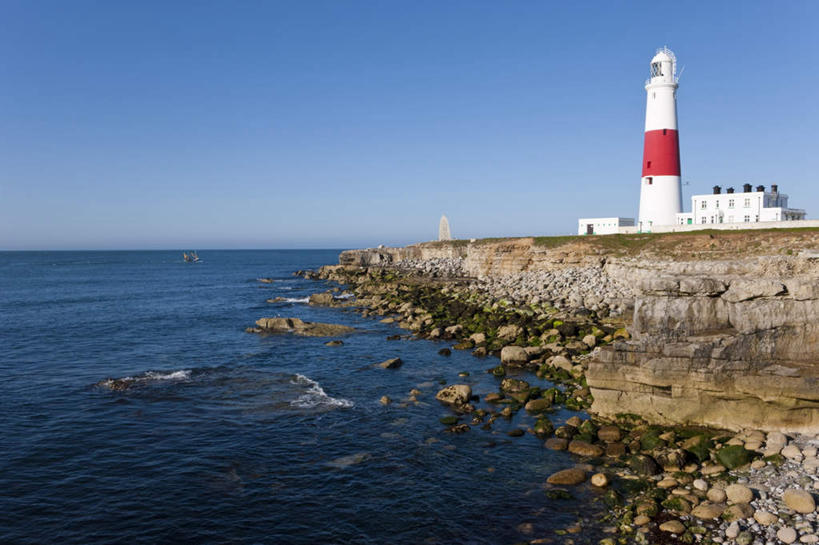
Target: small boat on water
190,257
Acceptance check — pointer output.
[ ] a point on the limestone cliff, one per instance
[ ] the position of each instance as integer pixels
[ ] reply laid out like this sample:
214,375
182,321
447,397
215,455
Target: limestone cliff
725,325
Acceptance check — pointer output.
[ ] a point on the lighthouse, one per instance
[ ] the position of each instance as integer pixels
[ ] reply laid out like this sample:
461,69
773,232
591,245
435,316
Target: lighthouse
660,188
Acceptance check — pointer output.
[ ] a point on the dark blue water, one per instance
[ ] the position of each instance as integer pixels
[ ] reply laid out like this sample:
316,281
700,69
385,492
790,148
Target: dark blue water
230,437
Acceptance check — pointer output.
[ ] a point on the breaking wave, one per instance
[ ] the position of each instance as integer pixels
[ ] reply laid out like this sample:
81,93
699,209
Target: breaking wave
315,396
147,377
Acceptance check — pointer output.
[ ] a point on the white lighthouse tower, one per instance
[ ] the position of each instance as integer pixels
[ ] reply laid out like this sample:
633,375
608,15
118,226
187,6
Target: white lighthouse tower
660,188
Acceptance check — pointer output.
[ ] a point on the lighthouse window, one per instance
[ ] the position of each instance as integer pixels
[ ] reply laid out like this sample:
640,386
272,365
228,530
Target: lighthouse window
665,131
656,69
648,164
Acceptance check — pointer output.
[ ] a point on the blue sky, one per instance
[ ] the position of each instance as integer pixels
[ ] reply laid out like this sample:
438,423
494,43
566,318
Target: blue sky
341,124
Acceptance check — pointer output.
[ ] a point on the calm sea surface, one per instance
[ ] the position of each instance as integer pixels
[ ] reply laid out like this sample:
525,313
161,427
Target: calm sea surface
230,437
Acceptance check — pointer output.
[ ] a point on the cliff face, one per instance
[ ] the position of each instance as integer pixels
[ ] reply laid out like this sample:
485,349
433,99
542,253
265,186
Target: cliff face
725,328
729,345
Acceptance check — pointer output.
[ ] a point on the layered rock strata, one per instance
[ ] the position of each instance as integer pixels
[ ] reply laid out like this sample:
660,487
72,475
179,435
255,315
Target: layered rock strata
730,350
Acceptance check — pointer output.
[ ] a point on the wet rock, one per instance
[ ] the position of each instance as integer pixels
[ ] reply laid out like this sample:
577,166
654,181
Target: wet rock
615,450
583,448
479,352
556,443
321,299
514,385
609,434
298,327
509,332
445,352
456,394
733,456
538,405
599,480
334,343
515,355
567,477
392,363
385,400
643,465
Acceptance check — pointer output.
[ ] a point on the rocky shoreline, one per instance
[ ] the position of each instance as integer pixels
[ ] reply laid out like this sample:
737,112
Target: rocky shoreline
661,484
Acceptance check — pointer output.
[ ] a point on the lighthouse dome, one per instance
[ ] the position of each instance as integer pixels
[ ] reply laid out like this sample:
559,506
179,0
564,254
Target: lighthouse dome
664,55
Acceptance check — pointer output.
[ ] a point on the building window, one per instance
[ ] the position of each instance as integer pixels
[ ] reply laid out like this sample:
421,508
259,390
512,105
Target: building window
747,219
704,220
665,132
730,203
757,217
649,180
716,204
702,205
747,203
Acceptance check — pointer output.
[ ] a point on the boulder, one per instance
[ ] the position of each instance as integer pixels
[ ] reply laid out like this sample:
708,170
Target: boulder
456,394
733,456
514,355
599,480
561,362
538,405
643,465
583,448
609,434
514,385
786,535
765,518
568,477
800,501
708,511
321,299
392,363
738,511
298,327
672,526
556,443
590,341
478,338
739,493
509,332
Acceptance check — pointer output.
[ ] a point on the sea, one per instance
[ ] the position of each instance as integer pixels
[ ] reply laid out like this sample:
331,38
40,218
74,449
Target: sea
223,436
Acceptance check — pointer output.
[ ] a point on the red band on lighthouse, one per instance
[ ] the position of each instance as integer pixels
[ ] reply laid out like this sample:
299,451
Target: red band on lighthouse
661,154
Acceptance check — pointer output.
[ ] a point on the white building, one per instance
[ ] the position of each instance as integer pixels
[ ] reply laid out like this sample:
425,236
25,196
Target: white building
747,207
602,226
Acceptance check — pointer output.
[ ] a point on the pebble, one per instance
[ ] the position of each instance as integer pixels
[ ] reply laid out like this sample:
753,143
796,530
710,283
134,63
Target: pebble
701,484
672,526
809,538
716,495
738,493
765,518
641,520
786,535
732,531
799,500
668,482
600,480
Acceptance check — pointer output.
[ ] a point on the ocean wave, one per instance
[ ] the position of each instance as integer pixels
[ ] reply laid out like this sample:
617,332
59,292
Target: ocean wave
149,376
315,396
297,299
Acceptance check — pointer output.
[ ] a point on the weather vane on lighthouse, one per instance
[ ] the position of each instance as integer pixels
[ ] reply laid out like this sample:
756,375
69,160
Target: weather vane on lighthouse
660,188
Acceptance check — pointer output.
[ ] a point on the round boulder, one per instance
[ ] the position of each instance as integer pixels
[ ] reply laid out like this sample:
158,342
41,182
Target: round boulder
800,501
567,477
456,394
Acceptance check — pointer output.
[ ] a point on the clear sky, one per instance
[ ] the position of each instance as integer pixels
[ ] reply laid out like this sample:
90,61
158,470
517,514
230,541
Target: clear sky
339,124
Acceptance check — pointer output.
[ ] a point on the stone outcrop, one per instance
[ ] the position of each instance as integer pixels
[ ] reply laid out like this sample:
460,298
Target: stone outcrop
727,345
297,326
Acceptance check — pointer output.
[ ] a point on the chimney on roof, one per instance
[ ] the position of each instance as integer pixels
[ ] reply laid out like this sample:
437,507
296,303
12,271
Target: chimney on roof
717,190
760,188
774,188
729,190
746,188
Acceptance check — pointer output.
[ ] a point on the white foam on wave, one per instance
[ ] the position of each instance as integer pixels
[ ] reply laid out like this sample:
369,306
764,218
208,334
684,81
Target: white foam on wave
315,396
297,299
182,374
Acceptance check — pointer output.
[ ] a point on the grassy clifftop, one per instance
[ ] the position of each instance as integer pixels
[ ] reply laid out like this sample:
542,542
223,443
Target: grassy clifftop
705,244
